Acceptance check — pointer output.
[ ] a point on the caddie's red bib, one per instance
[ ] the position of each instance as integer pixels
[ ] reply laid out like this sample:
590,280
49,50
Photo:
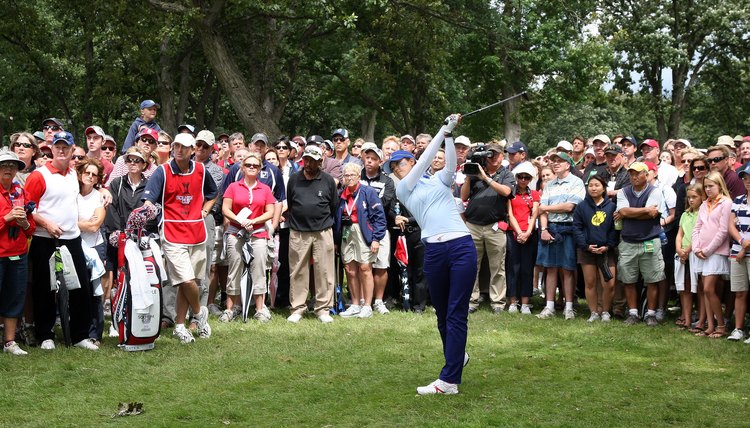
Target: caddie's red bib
182,204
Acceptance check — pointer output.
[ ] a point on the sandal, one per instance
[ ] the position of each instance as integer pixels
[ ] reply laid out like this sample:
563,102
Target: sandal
721,331
680,322
705,333
696,329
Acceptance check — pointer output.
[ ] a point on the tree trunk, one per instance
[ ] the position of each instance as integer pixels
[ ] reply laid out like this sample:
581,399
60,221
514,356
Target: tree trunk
368,125
242,97
511,117
166,118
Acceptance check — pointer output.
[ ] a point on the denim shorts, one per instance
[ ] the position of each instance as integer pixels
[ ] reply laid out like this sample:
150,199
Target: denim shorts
12,286
560,253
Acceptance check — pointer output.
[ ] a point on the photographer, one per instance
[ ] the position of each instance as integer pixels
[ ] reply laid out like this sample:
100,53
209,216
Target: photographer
487,188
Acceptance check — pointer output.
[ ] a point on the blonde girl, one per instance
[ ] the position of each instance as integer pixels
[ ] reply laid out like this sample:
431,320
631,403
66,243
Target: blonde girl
711,247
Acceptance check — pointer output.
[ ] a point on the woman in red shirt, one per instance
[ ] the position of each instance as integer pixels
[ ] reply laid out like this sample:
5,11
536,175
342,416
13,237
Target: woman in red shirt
248,204
15,230
522,244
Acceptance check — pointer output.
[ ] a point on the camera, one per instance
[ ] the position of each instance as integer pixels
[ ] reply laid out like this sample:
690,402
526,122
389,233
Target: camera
346,220
477,158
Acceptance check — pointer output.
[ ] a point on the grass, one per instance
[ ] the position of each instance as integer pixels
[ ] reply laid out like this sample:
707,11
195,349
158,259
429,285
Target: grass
523,372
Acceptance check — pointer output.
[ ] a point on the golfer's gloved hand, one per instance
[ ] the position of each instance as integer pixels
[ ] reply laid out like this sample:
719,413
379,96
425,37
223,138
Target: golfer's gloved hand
451,122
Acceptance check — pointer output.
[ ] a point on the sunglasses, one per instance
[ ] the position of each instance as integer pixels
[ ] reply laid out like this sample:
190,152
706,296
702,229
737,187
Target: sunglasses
686,161
202,146
699,168
46,154
717,159
523,177
251,165
282,148
108,149
147,140
133,160
338,139
163,143
51,127
89,173
24,145
78,157
8,165
357,146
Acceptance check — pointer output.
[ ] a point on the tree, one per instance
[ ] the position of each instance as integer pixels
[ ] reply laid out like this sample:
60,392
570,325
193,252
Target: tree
652,37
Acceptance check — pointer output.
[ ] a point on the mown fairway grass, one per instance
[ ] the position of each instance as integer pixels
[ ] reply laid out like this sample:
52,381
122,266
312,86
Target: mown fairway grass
523,372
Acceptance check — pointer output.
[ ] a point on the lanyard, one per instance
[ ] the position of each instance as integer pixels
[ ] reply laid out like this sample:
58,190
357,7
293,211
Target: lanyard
350,207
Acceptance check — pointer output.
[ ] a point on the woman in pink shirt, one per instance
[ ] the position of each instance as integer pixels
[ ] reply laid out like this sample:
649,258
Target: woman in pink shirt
711,247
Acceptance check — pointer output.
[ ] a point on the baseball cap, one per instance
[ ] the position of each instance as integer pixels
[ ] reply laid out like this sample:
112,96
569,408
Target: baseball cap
313,152
190,128
613,149
519,147
744,171
684,142
222,135
565,145
341,131
39,135
589,151
494,147
653,143
603,138
525,168
206,136
630,140
562,155
134,151
462,140
738,138
371,147
7,155
64,136
149,104
54,120
725,140
300,140
148,132
259,136
328,144
95,129
397,156
638,166
186,140
315,139
109,141
407,137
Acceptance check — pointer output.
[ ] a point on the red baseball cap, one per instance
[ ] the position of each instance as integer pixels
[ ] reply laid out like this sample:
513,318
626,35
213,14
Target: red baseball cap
649,142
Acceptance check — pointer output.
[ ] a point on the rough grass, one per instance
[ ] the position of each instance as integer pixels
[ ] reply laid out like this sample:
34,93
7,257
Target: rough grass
523,372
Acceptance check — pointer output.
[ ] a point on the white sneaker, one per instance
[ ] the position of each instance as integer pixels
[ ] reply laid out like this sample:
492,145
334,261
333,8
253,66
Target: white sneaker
512,308
87,344
13,348
204,330
747,341
365,312
660,315
594,317
294,318
48,345
352,311
214,310
113,331
263,315
570,314
737,334
546,313
525,310
438,387
182,334
380,307
606,317
325,319
466,358
227,315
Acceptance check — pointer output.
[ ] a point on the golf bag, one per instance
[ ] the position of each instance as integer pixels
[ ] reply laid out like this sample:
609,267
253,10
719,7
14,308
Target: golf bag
136,306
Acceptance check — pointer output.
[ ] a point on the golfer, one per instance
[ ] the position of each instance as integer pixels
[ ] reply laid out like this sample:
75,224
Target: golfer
450,257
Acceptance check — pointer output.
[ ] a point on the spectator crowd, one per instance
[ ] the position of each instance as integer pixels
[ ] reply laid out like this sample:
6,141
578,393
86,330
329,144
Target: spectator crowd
628,225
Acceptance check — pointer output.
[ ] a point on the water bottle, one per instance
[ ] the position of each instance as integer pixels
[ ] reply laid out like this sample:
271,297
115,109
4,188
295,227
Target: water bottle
663,238
397,209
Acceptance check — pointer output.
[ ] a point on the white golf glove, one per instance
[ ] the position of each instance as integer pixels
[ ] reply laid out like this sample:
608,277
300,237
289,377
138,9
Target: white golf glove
451,122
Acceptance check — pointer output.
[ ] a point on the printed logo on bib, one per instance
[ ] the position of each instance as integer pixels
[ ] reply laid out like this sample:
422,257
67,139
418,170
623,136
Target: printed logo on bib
185,198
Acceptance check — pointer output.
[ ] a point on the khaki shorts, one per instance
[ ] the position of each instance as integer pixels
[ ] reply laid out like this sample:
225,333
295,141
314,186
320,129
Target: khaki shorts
739,274
383,260
634,260
354,249
184,262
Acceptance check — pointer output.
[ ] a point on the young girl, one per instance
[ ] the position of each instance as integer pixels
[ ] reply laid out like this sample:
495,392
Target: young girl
711,247
546,175
522,243
739,230
596,239
684,268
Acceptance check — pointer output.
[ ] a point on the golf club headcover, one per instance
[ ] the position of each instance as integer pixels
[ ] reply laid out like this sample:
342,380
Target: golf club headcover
114,238
141,215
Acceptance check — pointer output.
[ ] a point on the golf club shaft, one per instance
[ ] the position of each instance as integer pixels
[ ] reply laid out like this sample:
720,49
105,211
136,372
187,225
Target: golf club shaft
521,94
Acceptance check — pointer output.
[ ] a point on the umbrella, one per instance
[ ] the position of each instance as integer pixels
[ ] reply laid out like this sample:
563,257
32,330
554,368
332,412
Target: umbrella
402,256
63,303
246,281
338,306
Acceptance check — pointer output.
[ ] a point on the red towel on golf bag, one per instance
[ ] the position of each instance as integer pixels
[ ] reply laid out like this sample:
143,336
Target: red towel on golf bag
137,329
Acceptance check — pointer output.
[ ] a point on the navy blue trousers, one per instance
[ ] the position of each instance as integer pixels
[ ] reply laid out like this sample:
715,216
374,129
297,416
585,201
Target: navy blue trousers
451,268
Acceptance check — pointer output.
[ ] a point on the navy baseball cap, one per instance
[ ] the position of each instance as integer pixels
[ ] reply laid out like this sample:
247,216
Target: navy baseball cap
517,147
744,171
341,131
149,104
397,156
65,136
315,139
